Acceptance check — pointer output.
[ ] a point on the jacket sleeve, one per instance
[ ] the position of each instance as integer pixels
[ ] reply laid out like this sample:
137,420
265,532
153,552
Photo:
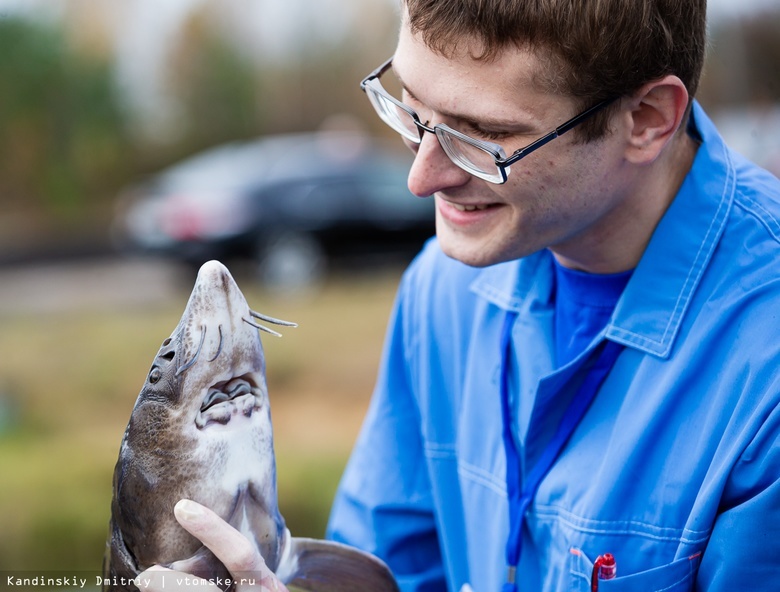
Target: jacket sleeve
384,503
743,552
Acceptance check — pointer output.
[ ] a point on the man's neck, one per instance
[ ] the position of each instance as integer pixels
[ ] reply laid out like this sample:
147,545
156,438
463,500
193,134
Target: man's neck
622,238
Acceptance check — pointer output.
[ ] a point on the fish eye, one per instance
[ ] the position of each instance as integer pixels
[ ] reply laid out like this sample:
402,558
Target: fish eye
155,375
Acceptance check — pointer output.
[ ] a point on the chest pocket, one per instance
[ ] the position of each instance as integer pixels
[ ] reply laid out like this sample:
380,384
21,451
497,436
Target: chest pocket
677,576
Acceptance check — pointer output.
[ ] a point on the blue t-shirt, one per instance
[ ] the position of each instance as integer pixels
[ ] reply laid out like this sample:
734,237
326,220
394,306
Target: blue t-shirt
583,304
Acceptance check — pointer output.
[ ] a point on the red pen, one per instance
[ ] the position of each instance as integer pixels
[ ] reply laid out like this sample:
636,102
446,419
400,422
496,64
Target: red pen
604,568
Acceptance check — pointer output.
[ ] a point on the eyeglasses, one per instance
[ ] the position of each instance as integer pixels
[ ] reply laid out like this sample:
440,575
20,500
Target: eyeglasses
482,159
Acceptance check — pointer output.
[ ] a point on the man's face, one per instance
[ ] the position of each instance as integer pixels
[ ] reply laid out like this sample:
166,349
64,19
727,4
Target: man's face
566,196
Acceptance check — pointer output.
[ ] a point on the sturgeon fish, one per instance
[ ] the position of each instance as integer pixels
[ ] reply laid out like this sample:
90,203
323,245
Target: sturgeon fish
201,429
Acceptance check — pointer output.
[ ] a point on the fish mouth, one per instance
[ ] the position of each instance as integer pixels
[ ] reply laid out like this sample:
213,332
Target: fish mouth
237,397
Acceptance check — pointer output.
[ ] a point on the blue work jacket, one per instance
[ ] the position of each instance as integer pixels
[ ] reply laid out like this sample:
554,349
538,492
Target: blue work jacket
675,467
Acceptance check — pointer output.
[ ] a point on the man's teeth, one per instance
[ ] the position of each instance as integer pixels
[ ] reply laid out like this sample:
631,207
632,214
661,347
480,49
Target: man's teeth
468,208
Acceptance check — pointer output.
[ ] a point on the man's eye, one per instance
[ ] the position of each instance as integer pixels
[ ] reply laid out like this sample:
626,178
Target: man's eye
409,100
495,136
492,135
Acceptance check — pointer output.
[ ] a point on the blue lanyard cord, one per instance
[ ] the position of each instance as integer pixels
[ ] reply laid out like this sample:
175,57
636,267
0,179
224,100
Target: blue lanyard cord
520,496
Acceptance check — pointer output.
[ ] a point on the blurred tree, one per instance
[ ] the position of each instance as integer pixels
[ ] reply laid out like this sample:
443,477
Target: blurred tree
215,86
763,55
63,140
227,92
744,61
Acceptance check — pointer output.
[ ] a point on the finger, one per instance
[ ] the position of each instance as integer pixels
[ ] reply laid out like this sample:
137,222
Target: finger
162,579
232,548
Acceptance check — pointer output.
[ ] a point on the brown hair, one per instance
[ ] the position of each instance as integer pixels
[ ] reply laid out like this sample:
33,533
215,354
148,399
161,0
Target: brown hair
591,49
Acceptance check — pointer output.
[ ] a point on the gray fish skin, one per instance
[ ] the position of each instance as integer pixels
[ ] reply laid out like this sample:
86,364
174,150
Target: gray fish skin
201,429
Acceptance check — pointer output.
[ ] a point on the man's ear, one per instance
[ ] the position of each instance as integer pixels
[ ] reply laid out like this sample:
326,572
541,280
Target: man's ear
656,112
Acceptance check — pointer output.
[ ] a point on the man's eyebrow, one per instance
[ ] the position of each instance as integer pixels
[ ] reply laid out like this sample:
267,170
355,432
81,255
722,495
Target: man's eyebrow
485,121
404,86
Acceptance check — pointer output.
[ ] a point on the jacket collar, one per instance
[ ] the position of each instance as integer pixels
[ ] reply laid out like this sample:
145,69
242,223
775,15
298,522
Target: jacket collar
650,312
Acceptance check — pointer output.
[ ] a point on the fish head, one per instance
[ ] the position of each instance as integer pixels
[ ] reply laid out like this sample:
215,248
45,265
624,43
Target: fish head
200,429
219,368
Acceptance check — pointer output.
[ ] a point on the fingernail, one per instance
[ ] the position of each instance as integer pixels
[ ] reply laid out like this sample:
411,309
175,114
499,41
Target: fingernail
188,510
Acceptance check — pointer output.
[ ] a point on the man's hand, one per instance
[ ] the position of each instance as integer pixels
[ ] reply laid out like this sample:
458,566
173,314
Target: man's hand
228,545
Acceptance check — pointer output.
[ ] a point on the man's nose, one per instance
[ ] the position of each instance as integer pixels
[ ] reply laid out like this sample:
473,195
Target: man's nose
432,170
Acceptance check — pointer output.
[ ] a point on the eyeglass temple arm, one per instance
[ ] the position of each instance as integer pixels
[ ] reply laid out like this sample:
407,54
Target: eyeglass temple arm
558,131
383,67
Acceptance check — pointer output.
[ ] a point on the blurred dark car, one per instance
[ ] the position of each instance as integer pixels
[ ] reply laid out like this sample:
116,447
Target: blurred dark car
289,203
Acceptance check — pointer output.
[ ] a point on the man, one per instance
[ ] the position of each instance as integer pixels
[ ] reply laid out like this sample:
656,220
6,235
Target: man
674,467
584,364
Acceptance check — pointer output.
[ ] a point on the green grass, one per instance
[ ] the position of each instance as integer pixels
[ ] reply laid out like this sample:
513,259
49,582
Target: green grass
70,380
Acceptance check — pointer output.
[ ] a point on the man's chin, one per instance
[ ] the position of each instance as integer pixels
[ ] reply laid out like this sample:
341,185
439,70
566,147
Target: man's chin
473,256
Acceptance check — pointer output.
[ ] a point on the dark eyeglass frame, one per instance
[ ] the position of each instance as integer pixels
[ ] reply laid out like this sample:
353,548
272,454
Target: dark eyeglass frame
496,151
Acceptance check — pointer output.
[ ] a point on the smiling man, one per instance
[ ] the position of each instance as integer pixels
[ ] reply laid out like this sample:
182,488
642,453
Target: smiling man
581,200
583,366
581,379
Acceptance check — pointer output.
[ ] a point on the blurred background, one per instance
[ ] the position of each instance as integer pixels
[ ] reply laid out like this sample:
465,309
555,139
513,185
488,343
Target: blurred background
139,138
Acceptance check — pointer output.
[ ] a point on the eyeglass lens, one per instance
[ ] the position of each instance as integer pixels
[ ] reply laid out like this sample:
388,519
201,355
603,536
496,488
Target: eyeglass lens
473,159
394,116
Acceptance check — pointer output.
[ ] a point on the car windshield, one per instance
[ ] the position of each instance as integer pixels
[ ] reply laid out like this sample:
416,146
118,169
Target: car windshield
276,157
226,167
